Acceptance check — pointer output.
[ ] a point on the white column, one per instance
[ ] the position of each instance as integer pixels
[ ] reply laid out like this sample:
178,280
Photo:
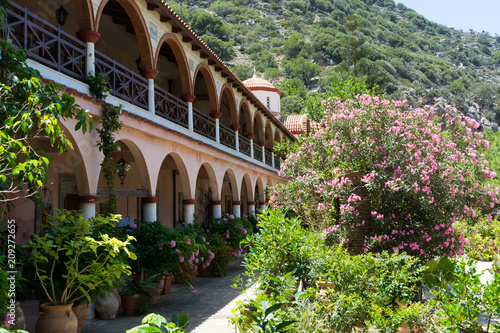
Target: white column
217,131
217,208
189,99
87,205
262,206
188,205
190,116
237,140
272,158
89,37
251,148
263,154
237,208
251,208
149,209
90,58
151,95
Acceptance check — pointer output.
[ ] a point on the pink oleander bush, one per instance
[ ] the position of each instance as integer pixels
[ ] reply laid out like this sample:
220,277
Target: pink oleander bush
422,172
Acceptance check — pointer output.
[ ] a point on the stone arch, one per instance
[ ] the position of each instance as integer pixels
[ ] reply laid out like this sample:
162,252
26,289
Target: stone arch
227,91
260,184
138,156
82,158
248,182
269,135
277,136
140,27
181,60
234,184
259,131
247,113
85,14
213,180
210,84
183,171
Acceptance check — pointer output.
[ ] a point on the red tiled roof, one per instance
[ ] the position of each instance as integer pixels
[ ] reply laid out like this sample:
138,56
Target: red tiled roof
299,124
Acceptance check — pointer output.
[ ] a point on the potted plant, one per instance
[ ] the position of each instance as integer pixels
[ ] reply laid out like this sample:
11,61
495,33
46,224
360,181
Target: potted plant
131,292
71,265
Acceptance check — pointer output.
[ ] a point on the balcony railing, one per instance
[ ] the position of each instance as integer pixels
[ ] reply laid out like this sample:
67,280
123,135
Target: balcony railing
269,158
170,107
54,48
244,145
123,82
277,162
257,152
45,43
227,136
203,124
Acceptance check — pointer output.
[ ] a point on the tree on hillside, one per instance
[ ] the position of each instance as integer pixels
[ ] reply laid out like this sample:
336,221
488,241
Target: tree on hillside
301,68
354,50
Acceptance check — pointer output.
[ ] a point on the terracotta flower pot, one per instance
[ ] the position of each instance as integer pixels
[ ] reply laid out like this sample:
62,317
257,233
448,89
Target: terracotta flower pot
80,312
129,303
56,319
167,285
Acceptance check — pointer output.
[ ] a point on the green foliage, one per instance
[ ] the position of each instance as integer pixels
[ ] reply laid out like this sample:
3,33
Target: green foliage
300,67
223,49
29,110
98,85
156,323
110,123
492,155
466,299
243,72
82,265
342,87
276,249
204,23
484,239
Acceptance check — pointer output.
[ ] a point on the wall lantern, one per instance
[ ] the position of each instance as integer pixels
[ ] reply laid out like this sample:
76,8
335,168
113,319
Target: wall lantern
122,167
138,64
61,15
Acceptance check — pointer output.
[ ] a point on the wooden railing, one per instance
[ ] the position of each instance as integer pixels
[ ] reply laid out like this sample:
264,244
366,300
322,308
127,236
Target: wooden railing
170,107
269,158
257,152
123,82
203,124
277,162
227,136
45,43
244,145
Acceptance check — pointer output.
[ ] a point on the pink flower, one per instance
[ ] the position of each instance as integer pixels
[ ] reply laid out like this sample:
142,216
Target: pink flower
227,235
188,241
181,258
172,243
231,217
177,251
132,226
196,260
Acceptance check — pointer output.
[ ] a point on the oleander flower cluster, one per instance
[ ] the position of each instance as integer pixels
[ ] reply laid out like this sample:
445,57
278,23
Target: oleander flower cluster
423,172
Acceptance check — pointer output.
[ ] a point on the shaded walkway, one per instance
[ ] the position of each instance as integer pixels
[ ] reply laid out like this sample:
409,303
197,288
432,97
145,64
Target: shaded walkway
208,306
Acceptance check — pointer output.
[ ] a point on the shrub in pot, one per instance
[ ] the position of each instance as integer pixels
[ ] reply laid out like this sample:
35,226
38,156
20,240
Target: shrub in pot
88,265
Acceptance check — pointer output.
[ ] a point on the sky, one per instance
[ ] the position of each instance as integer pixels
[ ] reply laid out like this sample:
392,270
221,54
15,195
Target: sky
478,15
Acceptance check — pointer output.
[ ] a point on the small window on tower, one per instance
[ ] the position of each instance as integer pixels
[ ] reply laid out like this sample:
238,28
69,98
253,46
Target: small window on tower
269,102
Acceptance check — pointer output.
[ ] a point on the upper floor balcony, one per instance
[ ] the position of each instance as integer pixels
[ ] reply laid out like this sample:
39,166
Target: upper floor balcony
160,67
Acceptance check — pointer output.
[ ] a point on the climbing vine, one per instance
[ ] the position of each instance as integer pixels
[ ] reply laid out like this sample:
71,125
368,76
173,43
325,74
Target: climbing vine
110,123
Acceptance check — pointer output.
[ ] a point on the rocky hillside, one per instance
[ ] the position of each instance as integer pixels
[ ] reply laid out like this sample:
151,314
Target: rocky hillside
307,44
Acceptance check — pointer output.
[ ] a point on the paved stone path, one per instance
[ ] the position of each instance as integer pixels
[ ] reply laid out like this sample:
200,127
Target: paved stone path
209,306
